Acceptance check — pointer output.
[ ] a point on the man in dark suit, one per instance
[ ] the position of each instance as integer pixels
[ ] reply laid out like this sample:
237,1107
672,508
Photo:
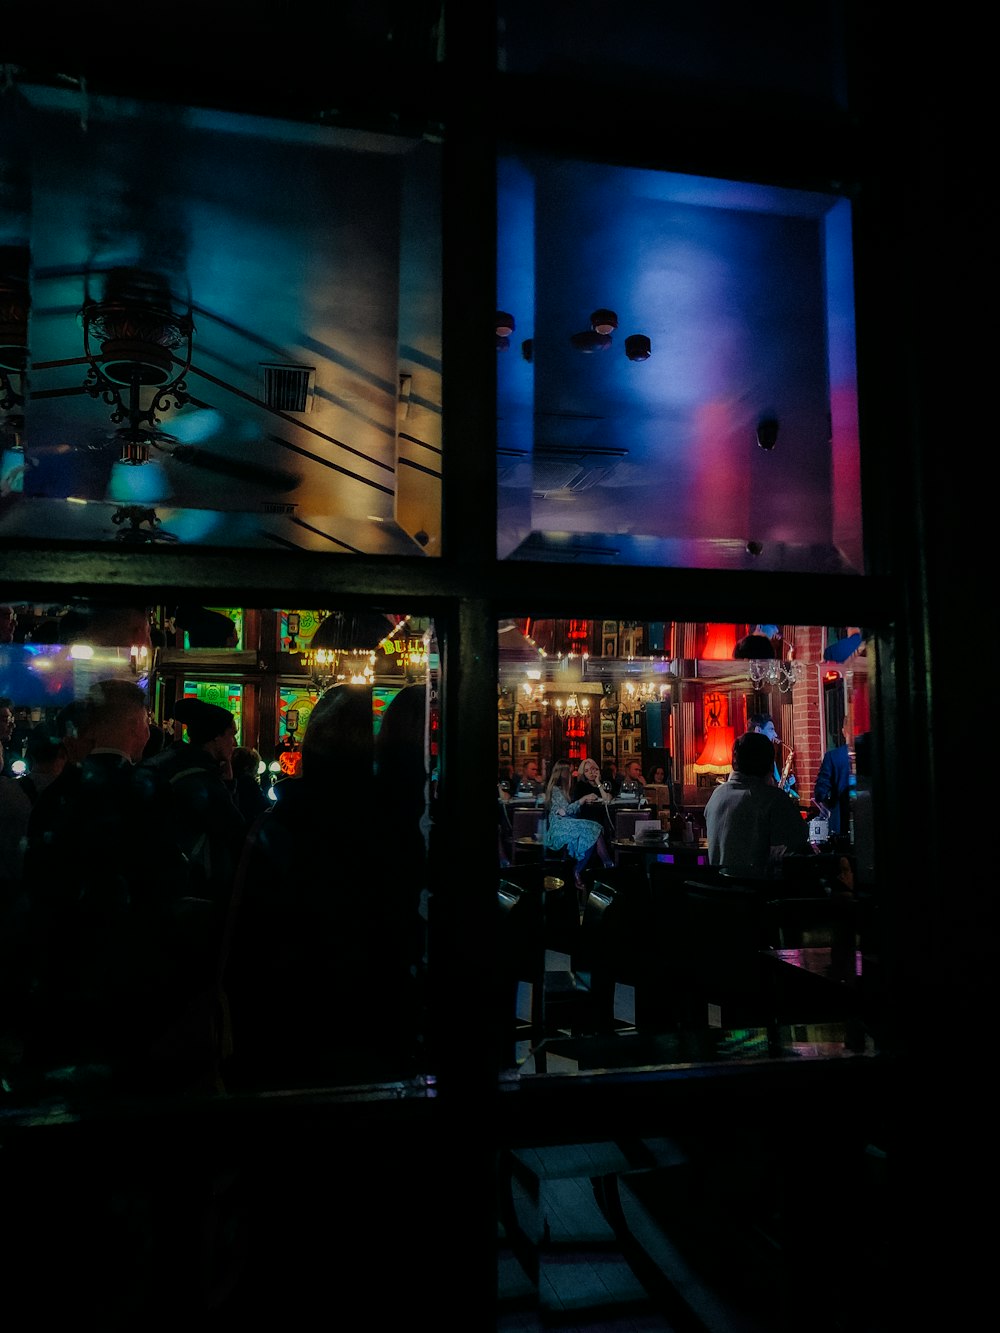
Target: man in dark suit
833,784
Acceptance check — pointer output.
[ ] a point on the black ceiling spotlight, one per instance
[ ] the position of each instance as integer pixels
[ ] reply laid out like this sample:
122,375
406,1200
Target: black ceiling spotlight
767,432
638,347
754,548
604,321
505,326
528,349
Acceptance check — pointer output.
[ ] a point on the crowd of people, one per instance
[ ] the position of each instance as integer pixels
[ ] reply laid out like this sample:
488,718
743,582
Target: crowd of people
167,928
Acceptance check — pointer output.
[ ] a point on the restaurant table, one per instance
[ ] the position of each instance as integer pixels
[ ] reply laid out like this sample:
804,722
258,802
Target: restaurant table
828,983
691,854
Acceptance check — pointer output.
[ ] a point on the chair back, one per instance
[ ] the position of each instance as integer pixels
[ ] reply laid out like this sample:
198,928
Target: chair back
804,923
626,820
528,823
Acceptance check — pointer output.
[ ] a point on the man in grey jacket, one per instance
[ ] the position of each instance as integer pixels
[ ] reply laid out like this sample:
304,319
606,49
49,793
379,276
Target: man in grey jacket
750,822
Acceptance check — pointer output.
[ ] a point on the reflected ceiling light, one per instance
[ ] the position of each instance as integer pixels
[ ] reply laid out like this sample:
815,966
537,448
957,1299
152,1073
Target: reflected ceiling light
504,326
773,671
638,347
591,341
767,433
604,321
131,483
129,340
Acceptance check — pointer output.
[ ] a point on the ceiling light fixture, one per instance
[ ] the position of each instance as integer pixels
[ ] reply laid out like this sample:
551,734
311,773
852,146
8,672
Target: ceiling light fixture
504,325
638,347
767,433
129,340
604,321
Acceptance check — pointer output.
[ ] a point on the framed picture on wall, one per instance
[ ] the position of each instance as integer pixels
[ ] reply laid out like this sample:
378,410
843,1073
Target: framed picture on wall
607,726
504,727
536,745
626,745
522,745
608,748
505,746
522,721
609,648
536,720
609,628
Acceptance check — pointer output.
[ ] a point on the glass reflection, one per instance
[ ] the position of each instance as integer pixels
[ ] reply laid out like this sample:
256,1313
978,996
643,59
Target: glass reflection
671,952
192,820
680,389
204,366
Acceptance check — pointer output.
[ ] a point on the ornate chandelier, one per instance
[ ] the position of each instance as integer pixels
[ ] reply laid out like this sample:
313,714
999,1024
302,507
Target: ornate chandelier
772,671
572,706
327,666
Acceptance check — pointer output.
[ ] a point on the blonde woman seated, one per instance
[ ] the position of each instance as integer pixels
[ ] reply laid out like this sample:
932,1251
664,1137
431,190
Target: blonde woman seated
579,839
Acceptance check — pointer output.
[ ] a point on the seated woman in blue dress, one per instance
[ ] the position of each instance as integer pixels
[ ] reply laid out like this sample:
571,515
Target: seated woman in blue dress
579,839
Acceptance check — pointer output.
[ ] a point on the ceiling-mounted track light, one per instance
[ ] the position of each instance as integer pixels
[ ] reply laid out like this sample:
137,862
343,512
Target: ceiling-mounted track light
638,347
604,321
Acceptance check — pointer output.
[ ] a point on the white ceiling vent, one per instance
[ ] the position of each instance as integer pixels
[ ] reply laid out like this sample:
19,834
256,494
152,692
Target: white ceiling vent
288,388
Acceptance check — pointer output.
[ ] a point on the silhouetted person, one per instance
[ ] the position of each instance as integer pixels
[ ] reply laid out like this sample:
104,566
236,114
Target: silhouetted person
318,973
112,948
245,787
204,821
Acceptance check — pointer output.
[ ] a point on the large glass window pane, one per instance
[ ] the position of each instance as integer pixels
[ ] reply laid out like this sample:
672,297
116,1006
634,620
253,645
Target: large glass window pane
643,919
219,329
213,848
679,386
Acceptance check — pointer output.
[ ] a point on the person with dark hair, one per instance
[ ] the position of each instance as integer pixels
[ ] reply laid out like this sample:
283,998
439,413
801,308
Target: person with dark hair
750,823
759,644
317,972
763,723
245,787
110,953
206,825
